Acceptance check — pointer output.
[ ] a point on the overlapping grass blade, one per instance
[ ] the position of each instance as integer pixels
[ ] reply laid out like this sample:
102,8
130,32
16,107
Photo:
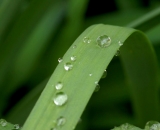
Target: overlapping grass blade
33,43
90,58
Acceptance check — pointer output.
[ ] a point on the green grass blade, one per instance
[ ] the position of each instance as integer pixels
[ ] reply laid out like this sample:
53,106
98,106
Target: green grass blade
79,86
22,109
8,9
28,55
143,73
147,22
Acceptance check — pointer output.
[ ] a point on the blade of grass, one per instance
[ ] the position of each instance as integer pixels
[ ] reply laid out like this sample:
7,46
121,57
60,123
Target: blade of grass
33,47
22,109
79,86
147,22
8,9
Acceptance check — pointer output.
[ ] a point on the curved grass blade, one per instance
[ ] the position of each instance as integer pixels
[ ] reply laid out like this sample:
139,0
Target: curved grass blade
79,85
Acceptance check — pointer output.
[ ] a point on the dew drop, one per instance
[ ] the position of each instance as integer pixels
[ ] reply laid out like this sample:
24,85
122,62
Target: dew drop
53,129
104,74
120,43
60,98
59,86
16,126
3,122
61,121
86,40
73,58
97,87
74,46
117,53
68,66
152,125
103,41
60,60
90,74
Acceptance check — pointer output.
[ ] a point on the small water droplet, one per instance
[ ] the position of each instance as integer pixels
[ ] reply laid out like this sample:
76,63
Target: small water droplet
74,46
86,40
90,74
59,86
103,41
60,60
60,98
53,129
104,74
16,126
152,125
120,43
73,58
61,121
117,53
97,87
3,122
68,66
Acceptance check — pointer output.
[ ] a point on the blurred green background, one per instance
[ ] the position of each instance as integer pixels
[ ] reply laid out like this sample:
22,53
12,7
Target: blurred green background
35,33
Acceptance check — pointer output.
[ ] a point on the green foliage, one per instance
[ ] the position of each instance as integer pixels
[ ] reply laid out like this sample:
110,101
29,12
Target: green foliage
35,33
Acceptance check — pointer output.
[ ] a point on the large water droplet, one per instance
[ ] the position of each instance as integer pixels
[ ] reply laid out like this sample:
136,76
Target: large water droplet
86,40
73,58
152,125
59,86
60,98
117,53
61,121
68,66
16,126
104,74
120,43
3,122
103,41
60,60
97,87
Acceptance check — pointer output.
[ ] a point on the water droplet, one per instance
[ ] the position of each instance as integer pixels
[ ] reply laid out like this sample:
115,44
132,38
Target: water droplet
103,41
53,129
74,46
90,74
3,122
117,53
60,60
97,87
16,126
86,40
104,74
73,58
59,86
120,43
68,66
61,121
60,98
152,125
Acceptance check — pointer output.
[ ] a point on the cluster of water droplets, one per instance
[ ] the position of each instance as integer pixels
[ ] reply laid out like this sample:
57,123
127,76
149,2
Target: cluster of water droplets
60,98
4,123
125,126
